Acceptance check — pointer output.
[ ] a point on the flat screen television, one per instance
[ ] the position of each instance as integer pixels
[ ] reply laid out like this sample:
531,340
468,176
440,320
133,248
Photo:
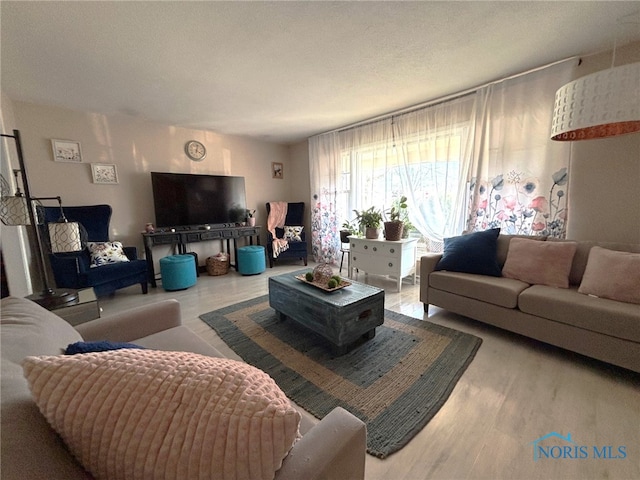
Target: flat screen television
189,200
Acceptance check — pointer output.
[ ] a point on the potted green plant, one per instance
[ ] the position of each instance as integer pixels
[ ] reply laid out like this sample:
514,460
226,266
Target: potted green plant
348,228
369,221
393,228
407,226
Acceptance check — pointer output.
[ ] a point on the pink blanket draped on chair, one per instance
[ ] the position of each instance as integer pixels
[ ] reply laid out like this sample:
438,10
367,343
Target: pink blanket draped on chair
277,215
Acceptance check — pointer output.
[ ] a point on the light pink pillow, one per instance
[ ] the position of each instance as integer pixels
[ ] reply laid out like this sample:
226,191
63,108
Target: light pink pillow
147,414
539,263
612,274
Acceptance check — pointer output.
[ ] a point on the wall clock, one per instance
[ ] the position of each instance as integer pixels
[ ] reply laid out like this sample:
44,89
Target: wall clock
195,150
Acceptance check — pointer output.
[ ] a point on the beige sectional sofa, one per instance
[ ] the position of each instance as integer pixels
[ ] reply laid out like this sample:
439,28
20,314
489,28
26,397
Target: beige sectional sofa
333,448
605,329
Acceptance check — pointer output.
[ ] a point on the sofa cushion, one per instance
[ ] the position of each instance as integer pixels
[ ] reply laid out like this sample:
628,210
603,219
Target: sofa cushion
540,263
613,275
496,290
29,329
609,317
178,338
26,328
152,414
471,253
502,249
582,255
112,272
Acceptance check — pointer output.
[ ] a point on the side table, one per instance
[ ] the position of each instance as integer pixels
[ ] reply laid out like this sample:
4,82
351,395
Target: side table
84,309
383,257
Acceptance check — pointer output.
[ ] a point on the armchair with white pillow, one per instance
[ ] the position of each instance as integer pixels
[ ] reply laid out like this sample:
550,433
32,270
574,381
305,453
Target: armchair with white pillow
106,266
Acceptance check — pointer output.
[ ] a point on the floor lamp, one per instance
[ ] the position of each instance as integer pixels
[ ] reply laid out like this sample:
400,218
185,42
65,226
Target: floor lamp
19,210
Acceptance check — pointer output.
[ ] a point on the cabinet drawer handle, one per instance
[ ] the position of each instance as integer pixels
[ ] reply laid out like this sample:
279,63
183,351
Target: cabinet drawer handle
390,264
366,247
365,314
354,259
392,250
375,249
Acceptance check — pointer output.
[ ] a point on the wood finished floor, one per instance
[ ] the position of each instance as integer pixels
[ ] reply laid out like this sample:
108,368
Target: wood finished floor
515,391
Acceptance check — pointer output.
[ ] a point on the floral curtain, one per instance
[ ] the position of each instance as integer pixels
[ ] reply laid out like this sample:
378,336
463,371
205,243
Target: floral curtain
324,152
519,176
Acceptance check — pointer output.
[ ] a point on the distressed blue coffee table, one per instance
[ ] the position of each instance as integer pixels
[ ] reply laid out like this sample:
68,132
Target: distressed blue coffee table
342,316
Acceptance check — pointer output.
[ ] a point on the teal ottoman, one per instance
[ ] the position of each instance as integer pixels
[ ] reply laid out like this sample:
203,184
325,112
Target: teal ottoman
178,272
251,260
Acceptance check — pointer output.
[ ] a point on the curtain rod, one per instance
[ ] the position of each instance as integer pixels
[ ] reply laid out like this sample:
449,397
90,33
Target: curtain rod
437,101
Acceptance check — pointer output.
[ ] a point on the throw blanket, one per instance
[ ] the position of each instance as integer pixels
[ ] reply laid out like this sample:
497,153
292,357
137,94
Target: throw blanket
277,215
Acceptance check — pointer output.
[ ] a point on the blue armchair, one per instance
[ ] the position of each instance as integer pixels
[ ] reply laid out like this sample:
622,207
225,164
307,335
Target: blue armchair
297,249
73,270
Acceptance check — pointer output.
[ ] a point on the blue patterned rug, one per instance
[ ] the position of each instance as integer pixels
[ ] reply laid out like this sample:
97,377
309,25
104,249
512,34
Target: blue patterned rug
395,382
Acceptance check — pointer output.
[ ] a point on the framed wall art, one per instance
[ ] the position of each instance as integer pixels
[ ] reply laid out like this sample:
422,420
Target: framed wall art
104,173
277,170
66,151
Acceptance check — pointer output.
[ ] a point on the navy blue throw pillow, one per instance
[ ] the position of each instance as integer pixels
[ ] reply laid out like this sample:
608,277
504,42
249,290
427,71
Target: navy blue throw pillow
99,346
472,253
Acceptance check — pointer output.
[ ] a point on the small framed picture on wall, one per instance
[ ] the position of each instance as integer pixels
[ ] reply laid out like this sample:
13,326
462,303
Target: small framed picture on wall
104,173
66,151
277,170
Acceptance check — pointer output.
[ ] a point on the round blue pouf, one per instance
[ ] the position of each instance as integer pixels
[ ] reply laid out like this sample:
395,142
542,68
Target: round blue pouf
251,260
178,272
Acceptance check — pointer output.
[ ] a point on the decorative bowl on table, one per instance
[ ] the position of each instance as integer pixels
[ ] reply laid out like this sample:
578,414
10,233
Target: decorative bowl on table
323,278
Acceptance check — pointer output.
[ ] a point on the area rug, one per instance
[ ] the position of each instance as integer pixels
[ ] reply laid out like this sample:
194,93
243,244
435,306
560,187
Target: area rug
395,382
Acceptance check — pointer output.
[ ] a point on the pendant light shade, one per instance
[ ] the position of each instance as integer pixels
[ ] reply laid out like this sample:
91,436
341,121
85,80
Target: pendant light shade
603,104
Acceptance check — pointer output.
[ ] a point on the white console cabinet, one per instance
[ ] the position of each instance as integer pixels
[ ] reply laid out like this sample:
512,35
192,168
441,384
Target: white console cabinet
382,257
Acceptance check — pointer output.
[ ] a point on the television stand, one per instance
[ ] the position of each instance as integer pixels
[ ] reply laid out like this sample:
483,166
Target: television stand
181,238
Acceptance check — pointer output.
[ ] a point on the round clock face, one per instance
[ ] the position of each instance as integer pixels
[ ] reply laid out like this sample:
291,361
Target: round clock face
195,150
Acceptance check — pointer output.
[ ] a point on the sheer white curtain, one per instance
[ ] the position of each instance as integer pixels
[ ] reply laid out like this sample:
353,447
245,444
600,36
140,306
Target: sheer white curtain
419,155
436,152
475,162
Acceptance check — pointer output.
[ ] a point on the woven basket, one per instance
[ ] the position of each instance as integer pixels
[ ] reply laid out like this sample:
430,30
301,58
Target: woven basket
393,230
218,264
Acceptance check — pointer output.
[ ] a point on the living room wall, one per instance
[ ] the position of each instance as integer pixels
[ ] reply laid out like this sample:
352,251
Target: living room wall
137,147
605,174
604,179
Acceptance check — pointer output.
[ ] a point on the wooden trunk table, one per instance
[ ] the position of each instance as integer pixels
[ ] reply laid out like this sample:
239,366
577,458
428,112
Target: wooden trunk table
342,316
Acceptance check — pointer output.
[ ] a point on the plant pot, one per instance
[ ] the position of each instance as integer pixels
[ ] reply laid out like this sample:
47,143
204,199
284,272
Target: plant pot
251,221
371,233
393,230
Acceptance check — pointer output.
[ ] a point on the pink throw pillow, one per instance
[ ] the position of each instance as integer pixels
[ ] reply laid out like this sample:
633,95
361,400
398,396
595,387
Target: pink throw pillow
539,263
172,415
613,275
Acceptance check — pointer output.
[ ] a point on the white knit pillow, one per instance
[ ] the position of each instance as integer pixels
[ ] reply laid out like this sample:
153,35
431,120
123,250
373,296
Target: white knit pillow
147,414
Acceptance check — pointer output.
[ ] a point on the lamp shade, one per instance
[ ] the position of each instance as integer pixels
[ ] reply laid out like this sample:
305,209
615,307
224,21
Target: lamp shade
65,237
603,104
14,211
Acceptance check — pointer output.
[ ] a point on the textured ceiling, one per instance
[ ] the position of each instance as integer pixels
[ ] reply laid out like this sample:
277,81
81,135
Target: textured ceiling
283,71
